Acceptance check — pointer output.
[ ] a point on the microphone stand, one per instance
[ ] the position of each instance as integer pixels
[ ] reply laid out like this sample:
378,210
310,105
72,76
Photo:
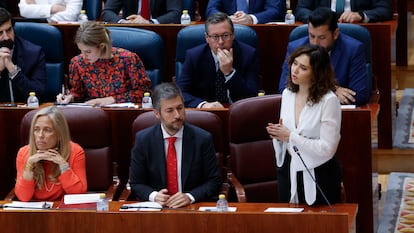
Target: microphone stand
314,180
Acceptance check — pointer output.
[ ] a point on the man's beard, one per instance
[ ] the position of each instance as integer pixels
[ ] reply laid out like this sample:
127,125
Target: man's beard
7,43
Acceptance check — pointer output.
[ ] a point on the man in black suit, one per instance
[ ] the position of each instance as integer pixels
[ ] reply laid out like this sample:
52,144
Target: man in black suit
22,64
161,11
196,168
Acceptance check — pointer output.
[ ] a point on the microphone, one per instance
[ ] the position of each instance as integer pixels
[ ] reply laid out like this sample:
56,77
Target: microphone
313,178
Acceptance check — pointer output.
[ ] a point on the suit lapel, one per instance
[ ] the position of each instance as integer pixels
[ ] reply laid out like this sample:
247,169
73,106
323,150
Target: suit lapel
160,153
187,154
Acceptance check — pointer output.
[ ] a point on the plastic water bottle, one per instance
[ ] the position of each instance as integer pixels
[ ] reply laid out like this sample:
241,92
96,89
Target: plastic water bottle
83,17
146,100
32,101
222,204
289,17
185,18
102,204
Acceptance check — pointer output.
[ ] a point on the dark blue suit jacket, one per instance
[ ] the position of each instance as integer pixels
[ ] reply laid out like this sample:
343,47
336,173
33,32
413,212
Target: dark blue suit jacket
165,11
376,10
31,59
348,60
199,171
198,74
264,10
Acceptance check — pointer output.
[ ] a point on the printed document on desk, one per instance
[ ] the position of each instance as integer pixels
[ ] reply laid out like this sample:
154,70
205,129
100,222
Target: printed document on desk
20,205
141,206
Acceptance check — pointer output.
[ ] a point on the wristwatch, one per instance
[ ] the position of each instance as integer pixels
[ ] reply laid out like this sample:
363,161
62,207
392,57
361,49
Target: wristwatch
361,13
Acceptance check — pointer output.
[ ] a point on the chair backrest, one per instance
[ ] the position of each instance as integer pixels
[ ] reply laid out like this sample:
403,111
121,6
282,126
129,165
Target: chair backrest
193,35
252,157
91,129
50,39
353,30
93,8
203,119
147,44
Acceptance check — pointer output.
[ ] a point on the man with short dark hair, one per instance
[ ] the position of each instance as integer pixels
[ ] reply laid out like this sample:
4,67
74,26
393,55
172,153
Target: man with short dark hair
347,56
186,175
22,64
221,71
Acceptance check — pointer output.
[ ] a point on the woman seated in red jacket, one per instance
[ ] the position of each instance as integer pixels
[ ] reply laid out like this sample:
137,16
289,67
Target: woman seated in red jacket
51,165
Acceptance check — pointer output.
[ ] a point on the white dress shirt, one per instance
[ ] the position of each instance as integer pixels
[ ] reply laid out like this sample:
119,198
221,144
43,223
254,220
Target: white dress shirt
41,9
316,136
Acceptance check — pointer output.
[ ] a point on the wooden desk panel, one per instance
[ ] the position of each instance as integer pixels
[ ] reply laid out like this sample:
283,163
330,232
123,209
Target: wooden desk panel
249,218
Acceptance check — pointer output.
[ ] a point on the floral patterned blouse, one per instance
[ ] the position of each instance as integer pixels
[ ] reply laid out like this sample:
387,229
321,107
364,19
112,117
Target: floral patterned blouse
122,77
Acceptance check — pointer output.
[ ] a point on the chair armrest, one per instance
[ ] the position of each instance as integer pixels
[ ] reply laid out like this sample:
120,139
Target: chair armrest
241,195
10,196
111,191
126,192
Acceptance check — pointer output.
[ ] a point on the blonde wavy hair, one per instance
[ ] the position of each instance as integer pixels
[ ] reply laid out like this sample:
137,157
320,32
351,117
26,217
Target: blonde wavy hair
61,128
95,34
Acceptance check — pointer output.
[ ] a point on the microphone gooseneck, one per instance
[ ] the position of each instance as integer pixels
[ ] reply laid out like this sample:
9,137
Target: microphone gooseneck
313,178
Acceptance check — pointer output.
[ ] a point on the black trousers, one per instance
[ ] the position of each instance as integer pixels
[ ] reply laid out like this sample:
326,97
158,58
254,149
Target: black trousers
328,176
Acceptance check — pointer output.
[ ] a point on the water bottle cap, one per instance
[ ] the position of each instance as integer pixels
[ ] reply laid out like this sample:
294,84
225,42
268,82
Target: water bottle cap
82,11
222,196
289,11
185,11
102,195
32,93
146,94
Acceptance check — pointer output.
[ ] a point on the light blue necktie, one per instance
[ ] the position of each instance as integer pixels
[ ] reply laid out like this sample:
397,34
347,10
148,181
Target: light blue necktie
242,6
340,5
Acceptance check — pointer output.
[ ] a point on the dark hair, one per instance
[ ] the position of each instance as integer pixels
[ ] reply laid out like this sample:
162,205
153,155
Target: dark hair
218,18
324,16
165,91
323,76
5,16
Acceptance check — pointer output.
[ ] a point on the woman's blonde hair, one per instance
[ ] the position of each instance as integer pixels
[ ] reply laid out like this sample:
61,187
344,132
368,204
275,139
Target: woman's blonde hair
61,128
94,34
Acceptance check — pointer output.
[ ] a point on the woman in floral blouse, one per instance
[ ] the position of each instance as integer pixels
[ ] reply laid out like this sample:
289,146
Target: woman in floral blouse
102,74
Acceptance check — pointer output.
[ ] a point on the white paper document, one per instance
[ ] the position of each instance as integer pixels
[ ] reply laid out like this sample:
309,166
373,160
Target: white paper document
20,205
284,210
121,105
214,209
141,206
81,198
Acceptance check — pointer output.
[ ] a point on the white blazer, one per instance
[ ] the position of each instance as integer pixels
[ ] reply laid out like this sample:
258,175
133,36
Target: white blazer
41,9
316,136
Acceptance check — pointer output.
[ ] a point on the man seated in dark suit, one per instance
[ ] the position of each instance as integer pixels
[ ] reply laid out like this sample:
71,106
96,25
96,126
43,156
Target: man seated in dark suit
221,71
191,174
142,11
347,57
249,11
22,64
348,11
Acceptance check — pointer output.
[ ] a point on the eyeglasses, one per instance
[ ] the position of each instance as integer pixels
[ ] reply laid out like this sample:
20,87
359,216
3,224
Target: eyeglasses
224,37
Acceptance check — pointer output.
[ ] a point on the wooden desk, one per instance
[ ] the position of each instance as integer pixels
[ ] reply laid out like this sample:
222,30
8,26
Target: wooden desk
249,218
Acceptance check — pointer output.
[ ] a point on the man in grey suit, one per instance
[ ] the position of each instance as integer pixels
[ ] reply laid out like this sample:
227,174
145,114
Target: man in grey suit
196,165
161,11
